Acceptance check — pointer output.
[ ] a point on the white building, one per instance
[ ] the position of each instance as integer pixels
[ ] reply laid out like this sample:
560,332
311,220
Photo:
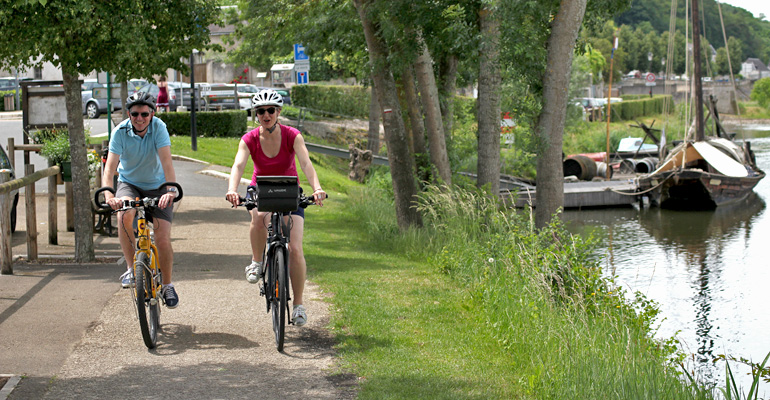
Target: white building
754,69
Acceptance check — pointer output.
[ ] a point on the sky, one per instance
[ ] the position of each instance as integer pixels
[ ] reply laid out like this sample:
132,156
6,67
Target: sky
753,6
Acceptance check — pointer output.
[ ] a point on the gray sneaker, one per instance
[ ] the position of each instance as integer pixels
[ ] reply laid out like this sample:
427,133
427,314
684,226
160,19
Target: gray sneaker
299,316
253,271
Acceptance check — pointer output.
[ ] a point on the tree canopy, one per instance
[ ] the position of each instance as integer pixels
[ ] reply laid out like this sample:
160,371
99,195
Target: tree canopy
125,38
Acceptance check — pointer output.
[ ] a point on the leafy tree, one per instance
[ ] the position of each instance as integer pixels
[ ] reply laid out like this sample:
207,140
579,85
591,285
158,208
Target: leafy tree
80,36
761,92
404,186
720,63
330,30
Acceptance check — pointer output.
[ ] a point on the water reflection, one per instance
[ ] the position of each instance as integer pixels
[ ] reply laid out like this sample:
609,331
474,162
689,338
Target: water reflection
700,239
706,269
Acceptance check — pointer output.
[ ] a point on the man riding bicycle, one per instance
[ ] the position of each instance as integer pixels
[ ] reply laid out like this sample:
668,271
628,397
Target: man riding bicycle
273,147
140,152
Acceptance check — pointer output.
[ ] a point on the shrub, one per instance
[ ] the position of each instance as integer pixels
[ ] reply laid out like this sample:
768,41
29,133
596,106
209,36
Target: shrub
761,92
633,108
346,101
209,123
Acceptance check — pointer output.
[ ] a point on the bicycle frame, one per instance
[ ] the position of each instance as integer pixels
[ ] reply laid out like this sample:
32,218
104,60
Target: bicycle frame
275,284
146,268
276,241
145,243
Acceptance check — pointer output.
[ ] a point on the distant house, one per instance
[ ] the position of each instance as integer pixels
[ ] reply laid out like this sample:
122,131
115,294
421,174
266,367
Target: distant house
754,69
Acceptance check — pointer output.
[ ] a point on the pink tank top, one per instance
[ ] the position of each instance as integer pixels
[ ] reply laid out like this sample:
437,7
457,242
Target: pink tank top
282,164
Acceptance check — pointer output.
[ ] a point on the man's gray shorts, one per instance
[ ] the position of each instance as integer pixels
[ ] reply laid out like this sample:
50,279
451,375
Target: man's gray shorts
128,190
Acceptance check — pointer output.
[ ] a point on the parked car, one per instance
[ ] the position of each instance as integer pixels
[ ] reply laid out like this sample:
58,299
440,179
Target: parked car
9,83
5,166
175,90
218,95
245,104
245,93
95,100
89,84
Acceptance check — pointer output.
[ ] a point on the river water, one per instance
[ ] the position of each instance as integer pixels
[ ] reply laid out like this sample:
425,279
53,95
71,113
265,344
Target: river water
707,270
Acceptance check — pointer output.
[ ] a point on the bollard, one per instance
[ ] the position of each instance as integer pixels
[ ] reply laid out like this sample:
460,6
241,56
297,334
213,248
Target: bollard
6,250
29,201
53,211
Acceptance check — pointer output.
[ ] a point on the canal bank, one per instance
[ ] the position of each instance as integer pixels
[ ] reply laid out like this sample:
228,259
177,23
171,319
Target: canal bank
705,269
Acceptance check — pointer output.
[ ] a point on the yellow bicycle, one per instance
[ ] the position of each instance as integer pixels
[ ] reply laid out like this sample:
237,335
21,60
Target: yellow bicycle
147,274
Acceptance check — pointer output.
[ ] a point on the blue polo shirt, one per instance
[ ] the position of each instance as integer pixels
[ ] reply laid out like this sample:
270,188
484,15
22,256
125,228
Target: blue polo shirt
139,161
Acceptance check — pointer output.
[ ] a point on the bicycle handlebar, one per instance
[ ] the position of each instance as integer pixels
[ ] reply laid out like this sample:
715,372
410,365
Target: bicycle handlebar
251,202
145,202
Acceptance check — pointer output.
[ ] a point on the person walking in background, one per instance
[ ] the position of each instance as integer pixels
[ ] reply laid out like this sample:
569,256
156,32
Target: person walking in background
273,147
162,94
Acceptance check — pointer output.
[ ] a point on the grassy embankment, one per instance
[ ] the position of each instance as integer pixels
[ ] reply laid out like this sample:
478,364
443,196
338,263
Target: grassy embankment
591,137
476,305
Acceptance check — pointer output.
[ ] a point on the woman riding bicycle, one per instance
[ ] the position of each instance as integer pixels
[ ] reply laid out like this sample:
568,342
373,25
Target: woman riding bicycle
272,148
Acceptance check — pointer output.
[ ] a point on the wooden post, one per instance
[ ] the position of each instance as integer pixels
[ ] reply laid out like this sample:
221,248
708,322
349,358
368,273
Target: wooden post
12,152
29,201
69,206
53,218
6,255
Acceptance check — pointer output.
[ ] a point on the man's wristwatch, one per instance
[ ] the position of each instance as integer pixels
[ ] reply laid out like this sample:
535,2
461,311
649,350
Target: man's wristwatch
171,190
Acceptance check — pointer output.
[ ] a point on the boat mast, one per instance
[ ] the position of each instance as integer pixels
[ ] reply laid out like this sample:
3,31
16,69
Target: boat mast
699,133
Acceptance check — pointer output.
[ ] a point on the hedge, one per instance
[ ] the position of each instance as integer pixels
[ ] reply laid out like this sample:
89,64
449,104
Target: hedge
629,110
345,101
232,123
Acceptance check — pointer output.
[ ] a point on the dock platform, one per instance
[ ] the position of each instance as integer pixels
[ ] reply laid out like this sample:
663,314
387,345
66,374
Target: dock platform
580,194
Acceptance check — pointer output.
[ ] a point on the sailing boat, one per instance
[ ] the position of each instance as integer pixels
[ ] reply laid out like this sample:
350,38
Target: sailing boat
702,173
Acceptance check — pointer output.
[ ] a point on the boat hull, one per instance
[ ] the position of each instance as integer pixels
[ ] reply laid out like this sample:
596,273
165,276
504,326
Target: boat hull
695,189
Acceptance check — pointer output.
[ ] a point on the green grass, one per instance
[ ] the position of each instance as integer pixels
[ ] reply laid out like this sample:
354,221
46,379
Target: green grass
474,306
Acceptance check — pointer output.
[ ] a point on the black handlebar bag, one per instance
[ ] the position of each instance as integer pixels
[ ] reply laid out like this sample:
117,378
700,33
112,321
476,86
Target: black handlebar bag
277,193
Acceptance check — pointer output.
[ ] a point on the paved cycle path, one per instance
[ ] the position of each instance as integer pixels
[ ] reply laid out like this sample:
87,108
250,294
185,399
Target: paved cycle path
72,332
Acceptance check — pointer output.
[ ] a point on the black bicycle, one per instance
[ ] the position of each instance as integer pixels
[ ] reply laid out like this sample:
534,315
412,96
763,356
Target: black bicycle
279,195
147,274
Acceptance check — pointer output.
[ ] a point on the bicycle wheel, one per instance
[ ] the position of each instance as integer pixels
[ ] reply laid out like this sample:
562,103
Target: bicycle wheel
148,316
280,297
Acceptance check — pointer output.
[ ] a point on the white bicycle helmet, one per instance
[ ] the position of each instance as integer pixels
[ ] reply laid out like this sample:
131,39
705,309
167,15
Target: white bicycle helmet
267,97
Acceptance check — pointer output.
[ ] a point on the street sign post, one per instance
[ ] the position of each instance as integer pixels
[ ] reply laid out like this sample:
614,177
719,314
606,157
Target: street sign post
649,79
302,77
301,64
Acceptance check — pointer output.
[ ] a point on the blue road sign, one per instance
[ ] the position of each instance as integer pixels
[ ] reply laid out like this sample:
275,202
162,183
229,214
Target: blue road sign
299,53
302,77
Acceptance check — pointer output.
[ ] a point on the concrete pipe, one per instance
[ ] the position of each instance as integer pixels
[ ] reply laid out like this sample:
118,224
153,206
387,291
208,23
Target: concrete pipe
584,168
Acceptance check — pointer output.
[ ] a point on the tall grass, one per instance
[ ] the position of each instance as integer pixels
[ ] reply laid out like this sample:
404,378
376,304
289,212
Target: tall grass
569,332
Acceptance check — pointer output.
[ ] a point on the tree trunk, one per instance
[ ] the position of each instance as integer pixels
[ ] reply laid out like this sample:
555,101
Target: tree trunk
84,230
375,115
489,103
426,80
447,93
401,166
415,111
550,125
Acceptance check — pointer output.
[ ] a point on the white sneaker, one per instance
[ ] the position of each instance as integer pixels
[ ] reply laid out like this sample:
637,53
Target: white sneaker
299,316
253,271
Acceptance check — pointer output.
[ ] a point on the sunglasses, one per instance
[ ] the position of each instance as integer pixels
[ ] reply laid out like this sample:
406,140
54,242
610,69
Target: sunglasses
270,110
136,114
